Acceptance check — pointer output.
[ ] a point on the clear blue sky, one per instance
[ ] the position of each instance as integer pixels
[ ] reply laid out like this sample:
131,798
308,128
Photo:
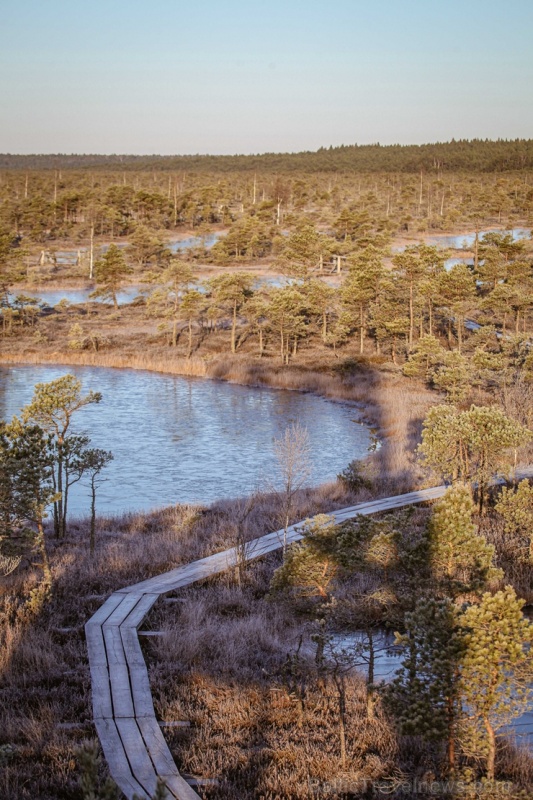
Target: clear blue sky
244,76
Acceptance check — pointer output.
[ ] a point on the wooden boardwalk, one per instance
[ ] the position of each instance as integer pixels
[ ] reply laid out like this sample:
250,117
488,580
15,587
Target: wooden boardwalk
123,711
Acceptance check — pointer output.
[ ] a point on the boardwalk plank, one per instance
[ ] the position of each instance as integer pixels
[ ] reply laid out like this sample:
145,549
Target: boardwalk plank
138,756
101,692
179,786
119,614
105,610
140,610
94,638
132,648
157,746
141,692
163,761
121,691
113,645
117,761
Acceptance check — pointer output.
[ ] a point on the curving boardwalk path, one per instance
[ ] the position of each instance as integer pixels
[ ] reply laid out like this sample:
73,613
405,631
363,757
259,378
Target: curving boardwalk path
123,711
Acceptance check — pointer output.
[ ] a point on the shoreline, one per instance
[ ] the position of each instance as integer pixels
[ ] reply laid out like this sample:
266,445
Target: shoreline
267,377
387,403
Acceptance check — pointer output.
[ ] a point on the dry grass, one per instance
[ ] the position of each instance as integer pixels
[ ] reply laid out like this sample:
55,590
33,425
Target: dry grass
44,677
221,665
193,367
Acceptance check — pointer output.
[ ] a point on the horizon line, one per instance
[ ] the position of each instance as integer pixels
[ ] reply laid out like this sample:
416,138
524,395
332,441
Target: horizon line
268,152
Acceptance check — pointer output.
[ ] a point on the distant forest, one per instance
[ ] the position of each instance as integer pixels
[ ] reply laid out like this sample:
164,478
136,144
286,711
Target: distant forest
476,155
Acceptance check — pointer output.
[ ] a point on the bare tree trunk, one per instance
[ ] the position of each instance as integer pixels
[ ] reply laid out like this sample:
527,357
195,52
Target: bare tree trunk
92,536
41,544
450,748
58,504
189,351
64,512
341,690
411,316
91,253
491,757
370,677
234,327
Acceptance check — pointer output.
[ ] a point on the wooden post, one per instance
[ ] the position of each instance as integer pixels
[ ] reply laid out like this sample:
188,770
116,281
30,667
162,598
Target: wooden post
91,253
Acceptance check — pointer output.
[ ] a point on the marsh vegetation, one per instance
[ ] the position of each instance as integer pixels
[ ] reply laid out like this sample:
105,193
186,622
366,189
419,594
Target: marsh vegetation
320,273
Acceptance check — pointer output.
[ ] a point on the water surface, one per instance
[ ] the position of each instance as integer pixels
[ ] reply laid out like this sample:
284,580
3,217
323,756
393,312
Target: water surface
51,297
177,439
388,660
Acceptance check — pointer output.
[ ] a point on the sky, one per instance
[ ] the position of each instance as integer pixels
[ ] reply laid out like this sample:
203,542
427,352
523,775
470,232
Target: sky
254,76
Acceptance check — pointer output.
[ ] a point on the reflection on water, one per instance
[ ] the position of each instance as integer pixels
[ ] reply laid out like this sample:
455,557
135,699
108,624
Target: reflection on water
462,241
177,439
194,241
71,257
466,240
51,297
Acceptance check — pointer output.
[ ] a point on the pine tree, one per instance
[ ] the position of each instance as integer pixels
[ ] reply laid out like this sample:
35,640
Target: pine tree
461,560
457,292
52,407
411,265
165,301
496,672
231,291
453,376
471,445
302,251
424,696
287,312
515,505
321,301
360,288
425,356
11,265
307,570
191,306
110,271
26,488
